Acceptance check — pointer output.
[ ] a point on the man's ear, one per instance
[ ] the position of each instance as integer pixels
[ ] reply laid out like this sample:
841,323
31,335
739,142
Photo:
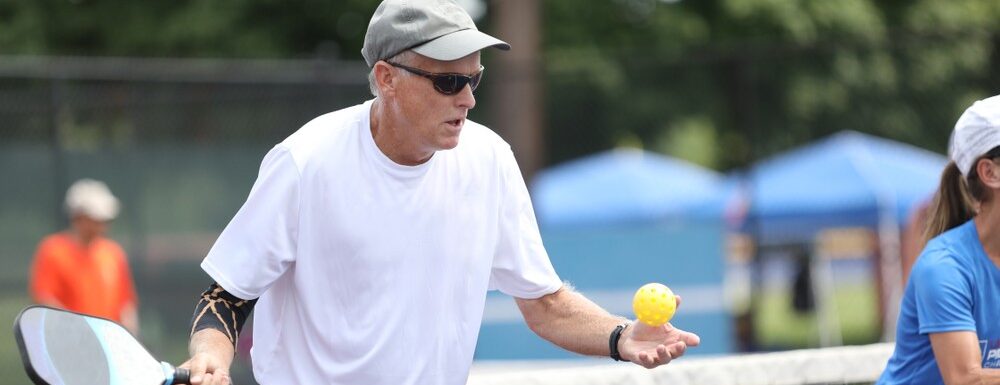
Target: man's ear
385,79
989,173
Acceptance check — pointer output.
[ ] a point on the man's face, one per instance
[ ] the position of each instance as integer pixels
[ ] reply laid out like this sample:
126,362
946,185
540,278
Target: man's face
435,119
89,228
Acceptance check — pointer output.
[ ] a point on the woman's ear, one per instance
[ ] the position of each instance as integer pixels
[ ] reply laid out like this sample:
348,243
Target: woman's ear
989,173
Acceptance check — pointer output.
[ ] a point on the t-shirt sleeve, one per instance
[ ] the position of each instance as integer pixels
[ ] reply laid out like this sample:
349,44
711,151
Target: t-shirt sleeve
259,244
943,294
521,267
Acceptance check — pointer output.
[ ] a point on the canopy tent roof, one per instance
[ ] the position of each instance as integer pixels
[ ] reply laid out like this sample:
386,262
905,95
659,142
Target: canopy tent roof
843,180
625,185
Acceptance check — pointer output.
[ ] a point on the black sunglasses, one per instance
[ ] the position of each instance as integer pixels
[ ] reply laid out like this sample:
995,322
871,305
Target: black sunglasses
446,83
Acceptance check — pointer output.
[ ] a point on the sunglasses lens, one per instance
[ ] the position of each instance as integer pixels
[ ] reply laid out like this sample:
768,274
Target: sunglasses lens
448,84
451,84
474,80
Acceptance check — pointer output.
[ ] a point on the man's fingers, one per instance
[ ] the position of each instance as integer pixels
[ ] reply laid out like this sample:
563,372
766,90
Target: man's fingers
650,361
217,378
643,358
676,349
663,355
197,371
674,344
222,377
206,372
690,339
653,358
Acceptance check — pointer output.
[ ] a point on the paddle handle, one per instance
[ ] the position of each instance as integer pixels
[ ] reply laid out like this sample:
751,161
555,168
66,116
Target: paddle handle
182,376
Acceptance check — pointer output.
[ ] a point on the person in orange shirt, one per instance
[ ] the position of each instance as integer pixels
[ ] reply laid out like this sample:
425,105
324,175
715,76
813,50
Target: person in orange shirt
80,269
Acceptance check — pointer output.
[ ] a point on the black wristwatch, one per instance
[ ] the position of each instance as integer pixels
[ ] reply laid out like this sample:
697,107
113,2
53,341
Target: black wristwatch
613,341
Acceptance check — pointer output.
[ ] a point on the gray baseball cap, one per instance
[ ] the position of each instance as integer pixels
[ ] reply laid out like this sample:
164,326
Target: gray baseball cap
438,29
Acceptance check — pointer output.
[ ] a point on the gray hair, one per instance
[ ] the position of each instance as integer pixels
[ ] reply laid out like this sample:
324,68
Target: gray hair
405,58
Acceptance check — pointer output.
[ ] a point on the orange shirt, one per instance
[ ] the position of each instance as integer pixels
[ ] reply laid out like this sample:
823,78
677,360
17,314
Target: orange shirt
92,280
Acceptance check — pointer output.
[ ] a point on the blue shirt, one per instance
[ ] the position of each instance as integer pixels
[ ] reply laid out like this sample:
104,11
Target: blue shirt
954,286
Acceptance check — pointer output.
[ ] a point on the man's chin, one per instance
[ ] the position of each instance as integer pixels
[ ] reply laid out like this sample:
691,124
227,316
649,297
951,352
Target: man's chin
448,145
450,141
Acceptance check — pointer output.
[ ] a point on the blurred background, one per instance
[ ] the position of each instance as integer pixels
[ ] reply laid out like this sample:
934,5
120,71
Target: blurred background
766,159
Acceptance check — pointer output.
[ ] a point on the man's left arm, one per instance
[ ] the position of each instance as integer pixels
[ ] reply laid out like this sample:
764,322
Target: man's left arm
571,321
129,313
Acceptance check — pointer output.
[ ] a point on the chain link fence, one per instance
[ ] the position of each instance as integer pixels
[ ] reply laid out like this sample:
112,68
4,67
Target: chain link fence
178,141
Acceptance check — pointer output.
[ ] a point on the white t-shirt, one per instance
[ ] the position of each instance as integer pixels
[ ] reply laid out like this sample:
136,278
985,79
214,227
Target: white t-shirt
371,272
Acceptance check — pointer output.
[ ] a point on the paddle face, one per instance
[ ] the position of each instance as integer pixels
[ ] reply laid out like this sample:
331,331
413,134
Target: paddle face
64,348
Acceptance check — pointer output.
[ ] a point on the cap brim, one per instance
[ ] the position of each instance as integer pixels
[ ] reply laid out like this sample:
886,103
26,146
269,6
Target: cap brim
457,45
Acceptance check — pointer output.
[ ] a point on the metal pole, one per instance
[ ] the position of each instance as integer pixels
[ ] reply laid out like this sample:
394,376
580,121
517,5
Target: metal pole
59,183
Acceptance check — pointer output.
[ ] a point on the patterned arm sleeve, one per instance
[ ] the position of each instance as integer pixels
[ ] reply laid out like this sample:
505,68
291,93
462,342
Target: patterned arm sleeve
218,309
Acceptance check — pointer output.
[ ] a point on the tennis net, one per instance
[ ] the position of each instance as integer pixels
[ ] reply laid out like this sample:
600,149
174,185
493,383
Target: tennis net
836,365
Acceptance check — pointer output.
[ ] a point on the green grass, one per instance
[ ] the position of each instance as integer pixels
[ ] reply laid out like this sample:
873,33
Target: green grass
10,359
778,326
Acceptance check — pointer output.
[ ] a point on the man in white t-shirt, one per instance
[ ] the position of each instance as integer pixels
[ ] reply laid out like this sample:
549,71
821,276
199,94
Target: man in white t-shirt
372,234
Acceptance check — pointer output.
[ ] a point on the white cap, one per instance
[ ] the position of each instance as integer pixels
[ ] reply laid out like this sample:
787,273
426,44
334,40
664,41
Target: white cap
976,133
93,199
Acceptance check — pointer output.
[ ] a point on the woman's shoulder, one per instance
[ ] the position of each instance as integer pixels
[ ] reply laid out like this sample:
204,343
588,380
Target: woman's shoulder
953,249
958,241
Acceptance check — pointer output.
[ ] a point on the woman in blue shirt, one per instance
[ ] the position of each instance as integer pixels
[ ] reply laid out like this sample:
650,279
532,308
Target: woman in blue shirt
949,321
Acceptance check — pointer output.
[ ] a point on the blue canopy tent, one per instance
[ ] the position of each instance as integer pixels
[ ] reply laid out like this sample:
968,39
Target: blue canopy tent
625,185
612,222
848,179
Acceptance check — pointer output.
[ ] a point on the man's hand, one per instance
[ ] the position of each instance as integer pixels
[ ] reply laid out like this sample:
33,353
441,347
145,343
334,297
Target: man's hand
207,370
211,356
652,346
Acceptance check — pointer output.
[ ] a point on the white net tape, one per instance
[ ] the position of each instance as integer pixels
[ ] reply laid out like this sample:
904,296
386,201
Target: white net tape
838,365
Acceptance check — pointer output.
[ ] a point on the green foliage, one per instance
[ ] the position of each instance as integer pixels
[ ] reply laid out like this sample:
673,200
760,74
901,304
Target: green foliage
693,139
767,74
763,75
186,28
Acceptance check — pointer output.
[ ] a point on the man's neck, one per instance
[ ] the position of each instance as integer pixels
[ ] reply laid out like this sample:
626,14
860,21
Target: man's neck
388,138
80,239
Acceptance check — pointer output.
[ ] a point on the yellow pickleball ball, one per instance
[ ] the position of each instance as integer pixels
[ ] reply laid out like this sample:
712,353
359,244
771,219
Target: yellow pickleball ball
654,304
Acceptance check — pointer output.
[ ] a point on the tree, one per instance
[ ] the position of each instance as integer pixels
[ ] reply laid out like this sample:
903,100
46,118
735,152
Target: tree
761,76
721,82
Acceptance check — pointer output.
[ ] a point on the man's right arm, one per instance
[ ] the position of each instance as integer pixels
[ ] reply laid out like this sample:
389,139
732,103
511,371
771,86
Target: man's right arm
218,319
